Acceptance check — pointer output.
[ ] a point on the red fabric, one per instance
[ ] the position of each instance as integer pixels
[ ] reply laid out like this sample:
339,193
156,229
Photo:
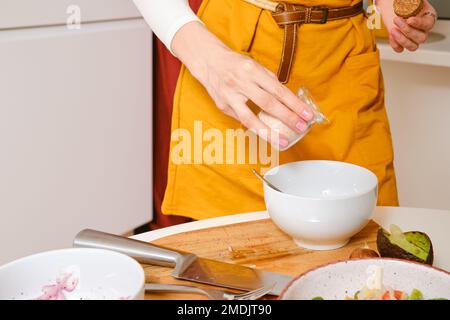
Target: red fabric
166,71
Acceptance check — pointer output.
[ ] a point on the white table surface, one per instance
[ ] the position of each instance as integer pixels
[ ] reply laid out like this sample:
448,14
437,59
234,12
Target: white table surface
436,223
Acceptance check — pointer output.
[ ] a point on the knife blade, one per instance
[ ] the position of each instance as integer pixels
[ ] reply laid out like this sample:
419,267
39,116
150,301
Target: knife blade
187,266
229,275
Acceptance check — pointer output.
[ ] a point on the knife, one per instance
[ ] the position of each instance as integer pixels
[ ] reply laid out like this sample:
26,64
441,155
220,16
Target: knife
187,266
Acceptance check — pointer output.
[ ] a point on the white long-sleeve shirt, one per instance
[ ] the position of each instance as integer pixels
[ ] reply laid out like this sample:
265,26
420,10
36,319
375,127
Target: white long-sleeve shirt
166,17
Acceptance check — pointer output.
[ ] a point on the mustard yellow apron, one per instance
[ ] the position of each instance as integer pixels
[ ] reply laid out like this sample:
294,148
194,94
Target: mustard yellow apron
338,62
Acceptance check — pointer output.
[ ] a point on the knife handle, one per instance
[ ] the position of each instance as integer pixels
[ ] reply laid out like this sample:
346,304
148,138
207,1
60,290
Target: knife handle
141,251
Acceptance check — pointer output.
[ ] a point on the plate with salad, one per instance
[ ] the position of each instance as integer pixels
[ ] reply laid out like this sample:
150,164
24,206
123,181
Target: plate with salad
371,279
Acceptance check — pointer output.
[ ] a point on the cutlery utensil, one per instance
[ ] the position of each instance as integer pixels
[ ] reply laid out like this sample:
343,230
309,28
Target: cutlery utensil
264,180
213,294
187,266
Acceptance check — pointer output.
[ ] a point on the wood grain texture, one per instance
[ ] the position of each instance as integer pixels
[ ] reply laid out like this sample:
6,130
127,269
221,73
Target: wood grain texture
257,244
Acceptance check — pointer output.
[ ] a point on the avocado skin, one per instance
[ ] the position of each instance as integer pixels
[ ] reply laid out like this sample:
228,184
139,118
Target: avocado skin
390,250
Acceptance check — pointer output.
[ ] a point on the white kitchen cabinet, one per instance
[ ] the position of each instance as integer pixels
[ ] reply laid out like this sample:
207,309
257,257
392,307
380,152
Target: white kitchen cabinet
75,131
418,104
32,13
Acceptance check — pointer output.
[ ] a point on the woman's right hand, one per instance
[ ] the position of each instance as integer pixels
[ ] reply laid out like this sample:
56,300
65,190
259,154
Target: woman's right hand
232,79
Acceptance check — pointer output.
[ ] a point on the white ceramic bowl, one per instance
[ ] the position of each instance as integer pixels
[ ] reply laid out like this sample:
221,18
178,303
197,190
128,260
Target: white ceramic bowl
323,203
337,280
73,274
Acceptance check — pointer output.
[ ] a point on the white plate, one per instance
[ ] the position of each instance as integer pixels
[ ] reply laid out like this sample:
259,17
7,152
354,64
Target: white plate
337,280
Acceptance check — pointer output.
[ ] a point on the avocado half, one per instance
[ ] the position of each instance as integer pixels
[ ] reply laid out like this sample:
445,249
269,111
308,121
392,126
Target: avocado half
412,245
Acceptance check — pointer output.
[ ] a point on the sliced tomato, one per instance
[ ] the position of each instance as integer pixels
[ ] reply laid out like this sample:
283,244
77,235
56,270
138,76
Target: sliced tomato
397,295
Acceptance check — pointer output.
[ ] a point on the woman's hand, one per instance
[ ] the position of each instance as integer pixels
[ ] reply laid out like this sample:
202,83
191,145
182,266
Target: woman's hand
232,79
407,33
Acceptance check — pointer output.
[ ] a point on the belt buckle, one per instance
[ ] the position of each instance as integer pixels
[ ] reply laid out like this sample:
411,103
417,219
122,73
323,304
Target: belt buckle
325,11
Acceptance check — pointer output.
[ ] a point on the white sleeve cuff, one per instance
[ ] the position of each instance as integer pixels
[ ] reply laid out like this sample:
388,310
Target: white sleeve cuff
166,17
174,27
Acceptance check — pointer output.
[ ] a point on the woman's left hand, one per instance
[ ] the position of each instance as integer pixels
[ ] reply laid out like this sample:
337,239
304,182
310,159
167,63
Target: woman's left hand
408,33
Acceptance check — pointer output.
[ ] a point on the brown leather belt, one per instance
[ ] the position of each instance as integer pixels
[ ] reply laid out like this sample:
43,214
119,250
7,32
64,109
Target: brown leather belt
290,17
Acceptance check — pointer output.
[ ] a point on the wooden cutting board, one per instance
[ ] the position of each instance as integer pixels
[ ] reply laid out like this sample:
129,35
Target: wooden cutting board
257,244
